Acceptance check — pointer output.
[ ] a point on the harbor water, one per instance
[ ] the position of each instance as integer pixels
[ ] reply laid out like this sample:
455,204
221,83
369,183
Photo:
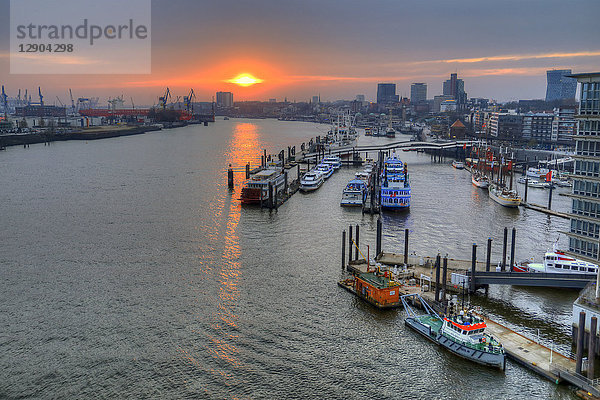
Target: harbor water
130,270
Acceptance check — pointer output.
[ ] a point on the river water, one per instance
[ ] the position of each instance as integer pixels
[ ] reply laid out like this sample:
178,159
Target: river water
130,270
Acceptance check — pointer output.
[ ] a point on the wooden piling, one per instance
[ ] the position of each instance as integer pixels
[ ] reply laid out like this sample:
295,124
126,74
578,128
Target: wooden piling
488,260
580,335
444,278
592,347
247,170
285,187
437,278
343,249
230,177
406,246
379,232
504,249
473,265
550,197
350,243
526,186
512,249
357,242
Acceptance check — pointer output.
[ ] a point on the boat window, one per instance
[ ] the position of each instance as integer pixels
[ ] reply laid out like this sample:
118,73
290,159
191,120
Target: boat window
559,266
591,270
566,267
574,268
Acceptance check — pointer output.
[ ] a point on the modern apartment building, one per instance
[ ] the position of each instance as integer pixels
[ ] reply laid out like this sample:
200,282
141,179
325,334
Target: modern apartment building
584,233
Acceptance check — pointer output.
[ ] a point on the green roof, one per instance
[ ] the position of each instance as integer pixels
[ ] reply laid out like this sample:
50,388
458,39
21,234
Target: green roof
380,282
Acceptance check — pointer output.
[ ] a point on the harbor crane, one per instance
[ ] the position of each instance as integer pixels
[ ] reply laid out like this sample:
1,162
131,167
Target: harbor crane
164,99
41,97
189,101
72,102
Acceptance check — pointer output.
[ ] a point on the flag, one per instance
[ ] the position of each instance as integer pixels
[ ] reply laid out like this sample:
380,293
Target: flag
549,176
510,165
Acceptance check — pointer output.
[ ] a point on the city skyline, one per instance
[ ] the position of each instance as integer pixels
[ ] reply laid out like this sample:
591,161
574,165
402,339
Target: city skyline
298,51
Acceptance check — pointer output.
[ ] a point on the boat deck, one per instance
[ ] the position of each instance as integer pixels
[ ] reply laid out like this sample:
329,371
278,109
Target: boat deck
431,320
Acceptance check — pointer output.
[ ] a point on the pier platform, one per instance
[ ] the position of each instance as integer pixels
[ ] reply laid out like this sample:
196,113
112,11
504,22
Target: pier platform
537,207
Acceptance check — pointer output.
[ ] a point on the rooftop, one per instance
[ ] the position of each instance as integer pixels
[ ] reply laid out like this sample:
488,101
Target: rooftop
584,75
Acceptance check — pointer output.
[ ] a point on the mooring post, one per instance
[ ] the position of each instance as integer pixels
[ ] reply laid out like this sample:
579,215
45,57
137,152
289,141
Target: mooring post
488,260
379,231
350,243
512,249
262,161
285,187
406,246
270,195
580,335
473,265
592,347
343,249
437,278
357,242
550,197
526,186
247,170
230,177
504,249
444,277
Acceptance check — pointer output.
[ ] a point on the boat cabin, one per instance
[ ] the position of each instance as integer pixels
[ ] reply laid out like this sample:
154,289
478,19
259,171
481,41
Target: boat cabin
378,288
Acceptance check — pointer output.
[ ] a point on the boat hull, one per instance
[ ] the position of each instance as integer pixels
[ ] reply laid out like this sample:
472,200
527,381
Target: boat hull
504,201
480,184
495,360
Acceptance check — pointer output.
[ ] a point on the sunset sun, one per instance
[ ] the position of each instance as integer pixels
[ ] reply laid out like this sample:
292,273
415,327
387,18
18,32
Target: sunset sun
245,80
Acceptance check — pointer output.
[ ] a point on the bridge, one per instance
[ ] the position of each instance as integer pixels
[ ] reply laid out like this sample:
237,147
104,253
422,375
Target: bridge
539,279
405,146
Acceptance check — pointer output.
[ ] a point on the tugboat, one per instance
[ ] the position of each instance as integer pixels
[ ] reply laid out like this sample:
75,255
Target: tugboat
461,333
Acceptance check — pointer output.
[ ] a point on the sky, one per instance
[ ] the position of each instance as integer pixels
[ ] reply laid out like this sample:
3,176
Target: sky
339,49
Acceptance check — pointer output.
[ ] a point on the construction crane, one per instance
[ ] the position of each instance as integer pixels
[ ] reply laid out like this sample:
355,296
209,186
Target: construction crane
72,102
41,97
164,99
189,101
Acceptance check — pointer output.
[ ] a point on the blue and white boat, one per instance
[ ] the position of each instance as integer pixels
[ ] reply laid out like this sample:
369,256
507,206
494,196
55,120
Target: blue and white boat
354,193
334,161
395,186
325,169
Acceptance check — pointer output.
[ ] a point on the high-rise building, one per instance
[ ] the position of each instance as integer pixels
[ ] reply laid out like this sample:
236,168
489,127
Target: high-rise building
360,97
418,92
584,233
456,88
386,93
560,86
224,99
438,100
316,99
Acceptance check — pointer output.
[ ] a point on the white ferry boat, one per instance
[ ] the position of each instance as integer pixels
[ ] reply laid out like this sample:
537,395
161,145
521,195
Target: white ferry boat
325,169
354,193
395,187
311,181
557,262
334,161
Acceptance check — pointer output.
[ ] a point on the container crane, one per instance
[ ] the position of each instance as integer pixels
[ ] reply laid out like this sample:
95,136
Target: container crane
189,101
164,99
41,97
72,102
